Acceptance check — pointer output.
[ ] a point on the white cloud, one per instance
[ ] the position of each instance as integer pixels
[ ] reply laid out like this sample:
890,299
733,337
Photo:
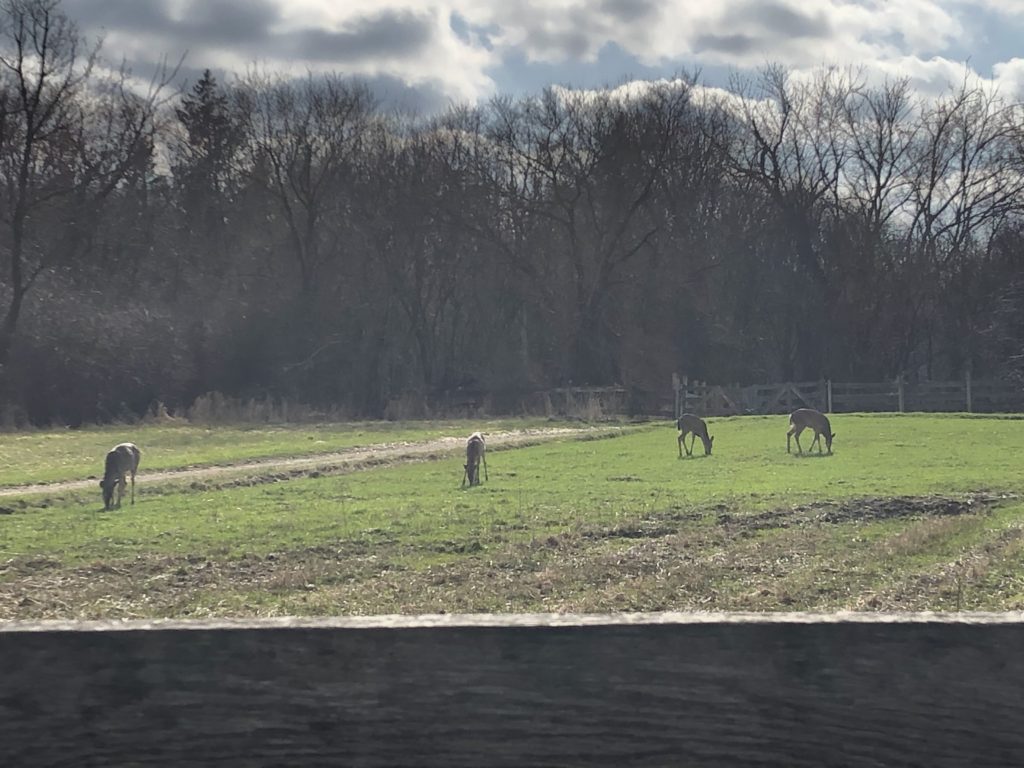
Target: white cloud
455,47
739,32
398,40
1009,77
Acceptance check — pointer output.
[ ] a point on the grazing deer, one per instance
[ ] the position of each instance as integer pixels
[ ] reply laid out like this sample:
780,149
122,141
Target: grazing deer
808,418
474,455
688,424
121,459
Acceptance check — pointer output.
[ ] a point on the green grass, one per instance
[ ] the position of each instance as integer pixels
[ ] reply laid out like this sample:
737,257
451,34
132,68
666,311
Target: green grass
601,524
64,454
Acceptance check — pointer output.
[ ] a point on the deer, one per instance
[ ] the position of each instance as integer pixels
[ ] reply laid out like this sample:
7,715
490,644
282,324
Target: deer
121,459
475,449
688,424
808,418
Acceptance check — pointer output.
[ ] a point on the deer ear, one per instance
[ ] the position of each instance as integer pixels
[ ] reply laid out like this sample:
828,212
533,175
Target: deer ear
101,483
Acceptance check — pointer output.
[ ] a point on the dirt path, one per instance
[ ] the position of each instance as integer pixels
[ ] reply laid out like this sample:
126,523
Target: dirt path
369,455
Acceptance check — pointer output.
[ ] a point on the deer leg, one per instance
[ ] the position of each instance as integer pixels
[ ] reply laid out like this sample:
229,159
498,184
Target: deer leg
796,436
693,440
465,474
484,457
789,437
680,441
133,487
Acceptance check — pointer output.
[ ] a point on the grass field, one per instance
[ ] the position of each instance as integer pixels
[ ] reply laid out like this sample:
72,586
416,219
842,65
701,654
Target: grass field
54,455
911,512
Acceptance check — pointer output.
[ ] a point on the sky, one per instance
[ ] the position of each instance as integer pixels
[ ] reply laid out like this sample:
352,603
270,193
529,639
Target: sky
427,55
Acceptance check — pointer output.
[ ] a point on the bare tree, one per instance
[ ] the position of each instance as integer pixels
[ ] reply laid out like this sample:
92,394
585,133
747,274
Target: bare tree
579,172
302,139
874,292
966,186
790,150
42,76
68,137
413,180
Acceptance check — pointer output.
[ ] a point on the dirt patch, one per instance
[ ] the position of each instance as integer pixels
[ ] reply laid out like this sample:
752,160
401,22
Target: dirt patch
903,507
864,510
645,530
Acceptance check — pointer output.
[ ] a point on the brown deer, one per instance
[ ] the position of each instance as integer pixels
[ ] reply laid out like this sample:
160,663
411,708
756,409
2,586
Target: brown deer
808,418
475,450
121,459
688,424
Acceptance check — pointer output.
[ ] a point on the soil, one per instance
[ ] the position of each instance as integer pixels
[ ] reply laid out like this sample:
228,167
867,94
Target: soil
864,510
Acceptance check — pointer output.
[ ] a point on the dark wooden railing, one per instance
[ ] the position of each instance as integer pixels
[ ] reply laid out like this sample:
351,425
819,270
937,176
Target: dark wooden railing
551,690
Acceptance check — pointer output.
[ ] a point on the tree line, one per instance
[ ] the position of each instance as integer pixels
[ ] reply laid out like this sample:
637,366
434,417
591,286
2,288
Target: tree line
294,239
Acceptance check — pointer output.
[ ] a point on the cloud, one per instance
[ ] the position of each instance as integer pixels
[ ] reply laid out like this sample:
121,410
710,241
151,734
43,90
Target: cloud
730,45
1009,78
454,49
387,41
1007,7
129,15
734,32
386,35
224,22
777,20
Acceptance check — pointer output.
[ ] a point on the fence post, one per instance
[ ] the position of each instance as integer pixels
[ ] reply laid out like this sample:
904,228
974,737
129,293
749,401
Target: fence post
899,390
828,394
675,388
967,377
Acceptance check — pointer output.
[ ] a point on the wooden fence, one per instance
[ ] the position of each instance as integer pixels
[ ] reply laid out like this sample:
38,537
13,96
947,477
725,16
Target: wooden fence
971,396
626,690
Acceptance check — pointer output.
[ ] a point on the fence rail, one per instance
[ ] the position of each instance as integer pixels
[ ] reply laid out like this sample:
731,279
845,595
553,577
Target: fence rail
634,689
981,396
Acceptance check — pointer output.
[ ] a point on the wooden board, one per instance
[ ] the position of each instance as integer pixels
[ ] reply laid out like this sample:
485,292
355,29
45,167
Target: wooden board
631,690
